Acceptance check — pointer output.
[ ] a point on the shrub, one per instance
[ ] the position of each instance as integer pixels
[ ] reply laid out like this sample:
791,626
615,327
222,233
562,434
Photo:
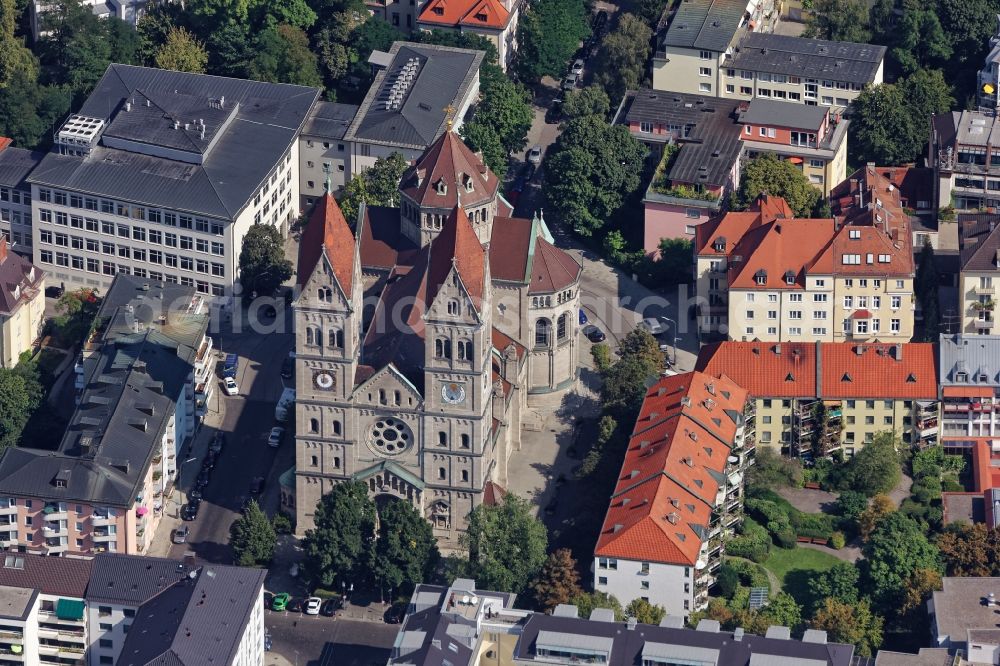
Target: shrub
951,486
753,544
282,523
601,354
785,538
837,540
727,581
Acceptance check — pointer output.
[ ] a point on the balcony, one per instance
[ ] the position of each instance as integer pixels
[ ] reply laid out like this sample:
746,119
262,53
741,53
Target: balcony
55,512
984,324
100,536
984,291
53,530
8,509
102,519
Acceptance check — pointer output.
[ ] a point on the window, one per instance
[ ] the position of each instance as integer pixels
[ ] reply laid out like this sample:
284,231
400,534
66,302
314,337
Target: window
543,332
562,326
795,298
646,127
895,302
819,298
730,89
442,348
314,425
894,325
107,643
442,474
819,314
848,302
704,71
693,213
746,90
705,87
819,330
861,326
705,55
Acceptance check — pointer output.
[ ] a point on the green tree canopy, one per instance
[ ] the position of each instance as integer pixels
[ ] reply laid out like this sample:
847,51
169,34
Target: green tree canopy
405,550
621,60
17,401
839,20
283,56
75,312
590,170
839,583
182,52
263,267
549,33
766,174
589,101
506,544
339,547
970,550
894,551
504,112
645,612
625,381
75,49
850,622
252,537
772,470
15,58
919,42
876,468
557,582
586,603
376,186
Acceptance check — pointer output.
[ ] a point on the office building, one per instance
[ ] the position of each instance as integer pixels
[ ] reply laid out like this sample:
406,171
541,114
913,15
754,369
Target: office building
160,174
679,494
323,152
964,150
15,195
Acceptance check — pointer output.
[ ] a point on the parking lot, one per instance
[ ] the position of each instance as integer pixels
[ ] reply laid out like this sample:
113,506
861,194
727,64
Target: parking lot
316,640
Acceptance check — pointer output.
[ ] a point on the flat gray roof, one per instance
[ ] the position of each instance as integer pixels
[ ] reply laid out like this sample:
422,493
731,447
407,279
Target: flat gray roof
441,77
705,24
16,602
959,607
16,164
784,114
249,126
926,657
329,120
807,58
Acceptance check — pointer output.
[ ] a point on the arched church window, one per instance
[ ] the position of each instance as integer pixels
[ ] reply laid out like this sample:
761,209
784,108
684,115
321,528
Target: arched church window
543,332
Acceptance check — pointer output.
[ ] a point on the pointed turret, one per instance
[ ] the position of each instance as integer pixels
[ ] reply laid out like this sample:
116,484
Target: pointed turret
457,245
327,232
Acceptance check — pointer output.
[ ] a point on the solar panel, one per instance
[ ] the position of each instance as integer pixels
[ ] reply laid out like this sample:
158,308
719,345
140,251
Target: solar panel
758,597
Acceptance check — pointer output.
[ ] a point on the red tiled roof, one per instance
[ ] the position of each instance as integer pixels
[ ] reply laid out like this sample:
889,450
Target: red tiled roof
861,314
469,13
789,370
4,142
382,244
493,493
732,226
777,248
457,245
327,231
763,368
552,269
662,504
451,163
509,245
57,576
501,341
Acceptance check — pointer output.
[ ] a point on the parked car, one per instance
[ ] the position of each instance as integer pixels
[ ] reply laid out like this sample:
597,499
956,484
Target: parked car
274,439
190,511
195,494
218,442
593,333
313,605
280,601
203,478
535,154
570,82
181,534
329,608
230,386
287,368
554,112
577,67
257,486
231,365
653,326
583,317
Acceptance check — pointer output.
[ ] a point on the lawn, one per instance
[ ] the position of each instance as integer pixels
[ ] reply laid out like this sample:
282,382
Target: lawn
794,567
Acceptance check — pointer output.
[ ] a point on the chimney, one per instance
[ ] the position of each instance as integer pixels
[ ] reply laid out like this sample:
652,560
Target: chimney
777,350
859,350
222,102
128,106
898,352
630,623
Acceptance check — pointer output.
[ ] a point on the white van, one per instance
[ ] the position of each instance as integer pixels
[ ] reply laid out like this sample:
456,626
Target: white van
284,406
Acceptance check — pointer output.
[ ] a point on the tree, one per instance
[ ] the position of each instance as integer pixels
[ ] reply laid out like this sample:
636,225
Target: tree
484,139
780,610
625,381
853,623
506,544
917,589
263,266
371,35
376,186
405,550
623,55
876,468
252,537
589,101
153,27
919,41
851,504
649,11
339,547
894,551
839,20
772,470
75,312
29,111
766,174
15,58
591,169
586,603
75,48
124,42
925,287
16,406
839,583
970,550
869,519
557,582
182,52
504,112
645,612
284,56
230,51
549,33
882,128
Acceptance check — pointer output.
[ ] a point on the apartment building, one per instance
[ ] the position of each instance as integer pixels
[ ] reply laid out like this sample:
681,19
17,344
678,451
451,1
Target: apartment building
129,11
969,373
979,272
905,192
963,618
702,142
679,494
811,399
463,626
964,150
726,48
811,138
494,20
814,72
988,77
22,305
422,91
323,153
15,194
161,173
105,486
110,609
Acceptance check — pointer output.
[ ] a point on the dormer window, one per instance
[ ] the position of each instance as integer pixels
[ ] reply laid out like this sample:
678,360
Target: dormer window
854,234
481,17
441,187
439,10
760,277
961,377
719,245
469,183
789,278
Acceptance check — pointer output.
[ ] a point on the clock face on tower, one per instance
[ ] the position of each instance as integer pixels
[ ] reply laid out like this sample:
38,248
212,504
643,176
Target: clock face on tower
453,393
323,380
